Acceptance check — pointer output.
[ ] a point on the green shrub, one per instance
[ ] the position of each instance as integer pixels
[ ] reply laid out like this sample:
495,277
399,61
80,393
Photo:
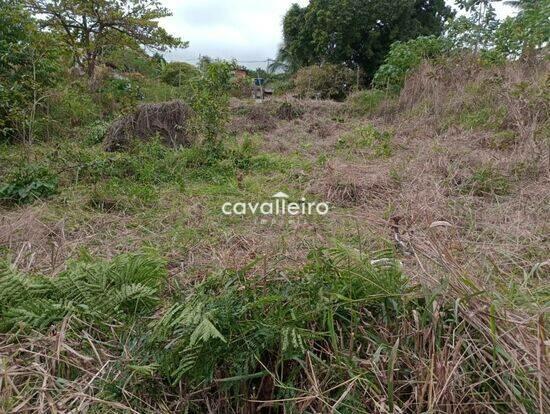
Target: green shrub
154,90
228,323
72,105
241,88
94,291
118,95
179,73
30,183
406,56
324,82
210,101
95,132
282,86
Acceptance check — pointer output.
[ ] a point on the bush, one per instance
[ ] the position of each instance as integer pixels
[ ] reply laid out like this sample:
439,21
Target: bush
178,73
241,88
118,95
29,184
324,82
211,102
71,106
406,56
95,132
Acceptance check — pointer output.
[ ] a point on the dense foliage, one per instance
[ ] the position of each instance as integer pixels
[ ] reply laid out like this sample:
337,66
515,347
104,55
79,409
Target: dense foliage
356,33
87,27
529,31
27,67
403,57
324,82
28,184
178,73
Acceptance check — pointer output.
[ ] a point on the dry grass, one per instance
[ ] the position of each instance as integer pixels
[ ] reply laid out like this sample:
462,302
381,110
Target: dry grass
345,184
170,120
478,250
34,244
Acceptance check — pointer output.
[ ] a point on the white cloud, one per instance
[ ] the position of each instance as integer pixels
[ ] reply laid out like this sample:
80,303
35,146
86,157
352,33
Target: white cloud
246,30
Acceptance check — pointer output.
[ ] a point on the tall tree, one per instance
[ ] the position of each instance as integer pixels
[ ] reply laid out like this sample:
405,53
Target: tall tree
88,26
357,33
28,67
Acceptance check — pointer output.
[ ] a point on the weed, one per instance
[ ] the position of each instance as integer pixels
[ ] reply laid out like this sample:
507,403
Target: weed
368,137
476,117
525,169
344,318
28,184
95,132
486,181
93,291
366,102
503,140
121,195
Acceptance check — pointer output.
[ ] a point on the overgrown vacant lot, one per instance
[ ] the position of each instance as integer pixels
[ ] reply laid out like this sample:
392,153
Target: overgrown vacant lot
423,290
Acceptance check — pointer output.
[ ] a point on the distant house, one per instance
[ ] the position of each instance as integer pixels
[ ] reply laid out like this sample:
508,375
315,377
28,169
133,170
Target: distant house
240,73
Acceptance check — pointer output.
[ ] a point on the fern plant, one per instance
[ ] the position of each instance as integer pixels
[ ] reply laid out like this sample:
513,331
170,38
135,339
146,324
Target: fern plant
228,324
95,291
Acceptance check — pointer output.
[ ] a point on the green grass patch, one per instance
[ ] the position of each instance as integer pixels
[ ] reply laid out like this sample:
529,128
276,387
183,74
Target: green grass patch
376,142
486,181
27,184
366,102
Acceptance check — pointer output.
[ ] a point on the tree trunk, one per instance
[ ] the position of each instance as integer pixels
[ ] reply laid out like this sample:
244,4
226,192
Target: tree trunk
91,63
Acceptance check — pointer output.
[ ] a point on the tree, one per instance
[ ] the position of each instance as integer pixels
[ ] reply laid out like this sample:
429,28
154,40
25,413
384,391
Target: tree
357,33
521,4
476,29
518,36
28,67
522,35
88,26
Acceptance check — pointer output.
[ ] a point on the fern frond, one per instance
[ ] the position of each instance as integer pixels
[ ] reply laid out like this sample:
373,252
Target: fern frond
94,290
37,314
136,269
134,298
205,331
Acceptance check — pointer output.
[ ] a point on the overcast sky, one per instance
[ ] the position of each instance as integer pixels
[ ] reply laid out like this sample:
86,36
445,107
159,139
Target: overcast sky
246,30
